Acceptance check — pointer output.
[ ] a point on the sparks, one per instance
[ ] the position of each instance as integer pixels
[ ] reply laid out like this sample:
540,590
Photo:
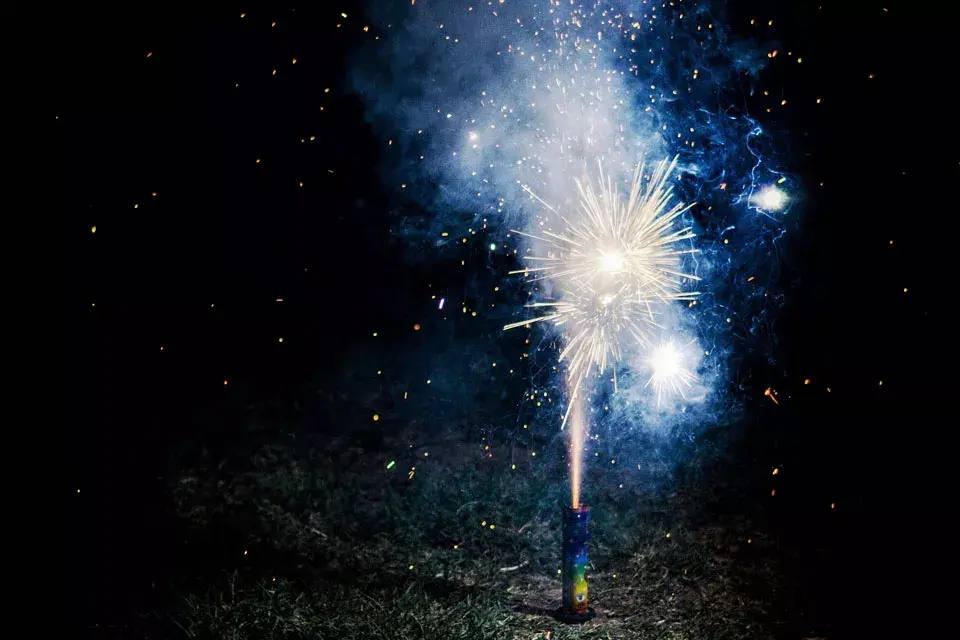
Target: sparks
635,239
614,264
597,327
668,372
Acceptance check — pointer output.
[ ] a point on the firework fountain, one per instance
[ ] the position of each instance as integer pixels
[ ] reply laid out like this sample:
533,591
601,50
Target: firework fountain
615,262
491,112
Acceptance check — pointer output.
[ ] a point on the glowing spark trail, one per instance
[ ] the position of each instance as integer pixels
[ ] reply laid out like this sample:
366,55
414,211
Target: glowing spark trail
577,436
595,327
770,199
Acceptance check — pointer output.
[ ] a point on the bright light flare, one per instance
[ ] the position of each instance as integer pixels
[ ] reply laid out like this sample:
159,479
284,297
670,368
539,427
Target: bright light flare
770,198
669,374
612,262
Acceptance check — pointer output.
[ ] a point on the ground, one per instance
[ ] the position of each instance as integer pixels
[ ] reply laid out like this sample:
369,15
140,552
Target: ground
320,539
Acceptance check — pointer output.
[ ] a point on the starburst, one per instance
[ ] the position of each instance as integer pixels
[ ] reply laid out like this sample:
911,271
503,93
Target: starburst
612,240
613,264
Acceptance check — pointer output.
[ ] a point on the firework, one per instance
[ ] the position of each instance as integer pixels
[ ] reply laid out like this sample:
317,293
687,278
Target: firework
597,328
668,372
613,263
612,242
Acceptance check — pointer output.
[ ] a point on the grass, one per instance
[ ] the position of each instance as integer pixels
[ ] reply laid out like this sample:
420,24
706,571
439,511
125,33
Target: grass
323,541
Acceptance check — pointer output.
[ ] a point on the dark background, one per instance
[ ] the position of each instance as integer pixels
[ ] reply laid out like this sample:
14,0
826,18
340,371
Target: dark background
197,269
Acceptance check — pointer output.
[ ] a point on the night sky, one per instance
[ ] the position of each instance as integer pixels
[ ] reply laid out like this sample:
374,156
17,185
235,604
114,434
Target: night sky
231,244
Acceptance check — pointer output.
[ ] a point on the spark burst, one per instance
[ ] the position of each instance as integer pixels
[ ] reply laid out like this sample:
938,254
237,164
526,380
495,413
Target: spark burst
596,326
633,242
668,374
613,264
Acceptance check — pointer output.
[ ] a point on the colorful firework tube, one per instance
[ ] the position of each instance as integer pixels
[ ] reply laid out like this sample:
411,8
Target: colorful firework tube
576,533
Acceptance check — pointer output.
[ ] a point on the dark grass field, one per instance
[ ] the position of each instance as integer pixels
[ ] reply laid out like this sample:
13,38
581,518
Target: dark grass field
318,539
273,533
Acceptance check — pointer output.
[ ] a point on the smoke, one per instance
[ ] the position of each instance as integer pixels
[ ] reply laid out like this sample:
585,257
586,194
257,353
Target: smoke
479,103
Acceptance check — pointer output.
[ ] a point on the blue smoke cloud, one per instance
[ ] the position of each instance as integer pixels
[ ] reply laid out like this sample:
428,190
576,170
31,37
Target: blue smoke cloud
475,102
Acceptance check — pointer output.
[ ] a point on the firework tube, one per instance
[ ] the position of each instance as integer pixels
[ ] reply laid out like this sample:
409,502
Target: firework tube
576,532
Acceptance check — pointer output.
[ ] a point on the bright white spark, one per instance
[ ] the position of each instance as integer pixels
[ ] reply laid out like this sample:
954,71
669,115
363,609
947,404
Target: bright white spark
668,374
614,262
770,198
633,240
